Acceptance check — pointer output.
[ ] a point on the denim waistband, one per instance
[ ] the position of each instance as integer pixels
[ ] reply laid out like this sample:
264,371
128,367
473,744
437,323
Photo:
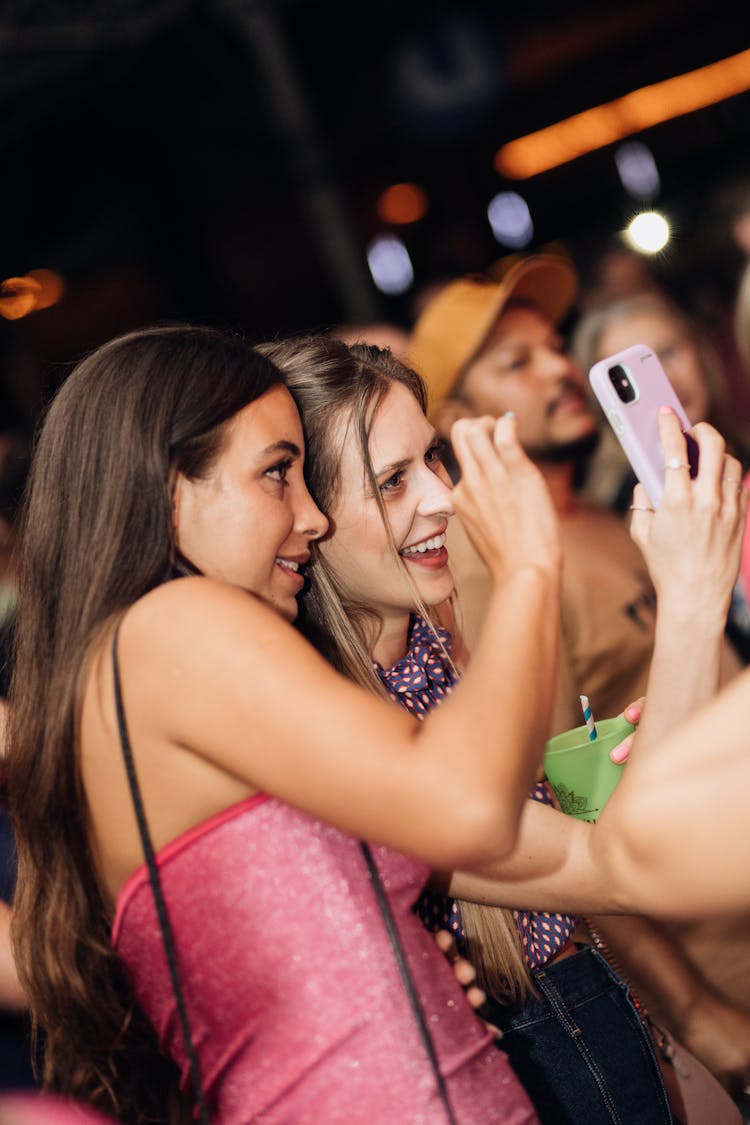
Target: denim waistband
579,978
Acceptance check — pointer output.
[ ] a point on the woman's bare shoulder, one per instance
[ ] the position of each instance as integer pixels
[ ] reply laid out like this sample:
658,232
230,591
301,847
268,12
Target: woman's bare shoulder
189,600
198,615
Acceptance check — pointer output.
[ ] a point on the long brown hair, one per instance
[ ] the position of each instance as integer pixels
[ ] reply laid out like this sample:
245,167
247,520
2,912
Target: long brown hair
95,536
338,389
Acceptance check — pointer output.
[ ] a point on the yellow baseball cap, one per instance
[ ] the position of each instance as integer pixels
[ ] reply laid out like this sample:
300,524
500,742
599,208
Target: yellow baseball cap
455,324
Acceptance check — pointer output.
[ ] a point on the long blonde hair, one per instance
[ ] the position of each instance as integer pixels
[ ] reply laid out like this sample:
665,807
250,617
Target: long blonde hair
338,390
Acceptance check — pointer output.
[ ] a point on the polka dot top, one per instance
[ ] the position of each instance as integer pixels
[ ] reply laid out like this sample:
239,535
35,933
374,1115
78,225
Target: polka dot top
418,682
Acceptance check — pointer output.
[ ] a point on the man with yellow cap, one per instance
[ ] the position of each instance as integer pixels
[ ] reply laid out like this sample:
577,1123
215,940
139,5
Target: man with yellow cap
486,347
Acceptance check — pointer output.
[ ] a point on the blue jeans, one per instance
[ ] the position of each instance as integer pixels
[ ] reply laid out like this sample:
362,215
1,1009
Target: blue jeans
580,1048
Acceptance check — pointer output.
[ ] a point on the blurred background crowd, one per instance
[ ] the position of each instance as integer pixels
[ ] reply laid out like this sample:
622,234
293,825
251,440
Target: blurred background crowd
288,166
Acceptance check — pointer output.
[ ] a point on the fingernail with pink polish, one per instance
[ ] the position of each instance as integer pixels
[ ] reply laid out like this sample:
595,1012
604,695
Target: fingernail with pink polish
620,753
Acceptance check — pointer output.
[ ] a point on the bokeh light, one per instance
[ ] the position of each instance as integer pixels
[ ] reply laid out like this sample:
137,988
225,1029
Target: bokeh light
637,170
390,264
510,219
648,232
401,204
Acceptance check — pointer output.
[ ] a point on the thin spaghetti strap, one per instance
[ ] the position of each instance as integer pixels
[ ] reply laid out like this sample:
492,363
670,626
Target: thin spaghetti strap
168,938
406,978
156,887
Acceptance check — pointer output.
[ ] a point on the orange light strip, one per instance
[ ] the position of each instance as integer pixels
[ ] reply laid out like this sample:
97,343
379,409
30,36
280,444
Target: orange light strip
594,128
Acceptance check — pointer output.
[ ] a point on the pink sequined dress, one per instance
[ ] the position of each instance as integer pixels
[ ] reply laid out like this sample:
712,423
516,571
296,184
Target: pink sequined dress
296,1007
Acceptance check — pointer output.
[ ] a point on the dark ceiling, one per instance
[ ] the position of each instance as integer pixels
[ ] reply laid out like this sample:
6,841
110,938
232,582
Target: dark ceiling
222,160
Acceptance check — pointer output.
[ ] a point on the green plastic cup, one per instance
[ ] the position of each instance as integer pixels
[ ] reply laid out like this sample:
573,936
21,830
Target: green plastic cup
581,771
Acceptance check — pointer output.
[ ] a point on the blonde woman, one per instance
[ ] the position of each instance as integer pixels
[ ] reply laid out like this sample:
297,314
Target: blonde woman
379,606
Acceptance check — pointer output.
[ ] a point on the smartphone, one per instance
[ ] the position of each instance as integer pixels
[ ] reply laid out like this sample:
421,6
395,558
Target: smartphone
630,386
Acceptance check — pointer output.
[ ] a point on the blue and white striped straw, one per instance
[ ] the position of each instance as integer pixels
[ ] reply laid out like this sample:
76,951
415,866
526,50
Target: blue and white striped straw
588,717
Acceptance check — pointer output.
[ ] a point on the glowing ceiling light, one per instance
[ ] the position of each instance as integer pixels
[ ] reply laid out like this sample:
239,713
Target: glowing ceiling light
390,264
648,232
510,219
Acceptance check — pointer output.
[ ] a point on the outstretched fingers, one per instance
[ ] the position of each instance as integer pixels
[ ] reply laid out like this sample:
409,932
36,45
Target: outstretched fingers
475,444
717,487
692,542
502,498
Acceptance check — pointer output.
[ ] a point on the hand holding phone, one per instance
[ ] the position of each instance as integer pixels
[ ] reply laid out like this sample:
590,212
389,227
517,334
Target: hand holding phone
630,386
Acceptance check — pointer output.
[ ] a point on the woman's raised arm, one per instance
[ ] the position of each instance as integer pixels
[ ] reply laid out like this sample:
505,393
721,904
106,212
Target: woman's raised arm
692,548
249,696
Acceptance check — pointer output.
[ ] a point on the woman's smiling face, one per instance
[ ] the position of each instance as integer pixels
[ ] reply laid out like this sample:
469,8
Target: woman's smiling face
416,492
250,522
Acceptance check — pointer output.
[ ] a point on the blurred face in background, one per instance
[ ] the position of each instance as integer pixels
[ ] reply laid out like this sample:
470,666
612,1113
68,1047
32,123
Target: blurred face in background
676,349
525,367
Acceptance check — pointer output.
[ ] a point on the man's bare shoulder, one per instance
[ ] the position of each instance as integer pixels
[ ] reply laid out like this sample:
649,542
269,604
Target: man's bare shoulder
461,552
584,513
597,529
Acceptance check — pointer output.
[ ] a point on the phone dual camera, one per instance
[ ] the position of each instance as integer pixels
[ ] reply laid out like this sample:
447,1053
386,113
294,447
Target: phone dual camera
624,387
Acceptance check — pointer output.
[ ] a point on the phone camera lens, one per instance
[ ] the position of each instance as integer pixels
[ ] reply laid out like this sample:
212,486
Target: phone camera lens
620,380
